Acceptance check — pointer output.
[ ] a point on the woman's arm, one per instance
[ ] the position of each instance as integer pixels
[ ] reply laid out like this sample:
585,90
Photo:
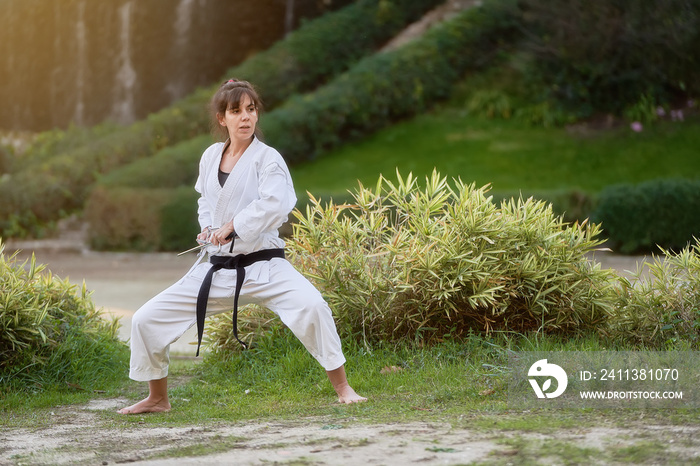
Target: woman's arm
276,199
203,213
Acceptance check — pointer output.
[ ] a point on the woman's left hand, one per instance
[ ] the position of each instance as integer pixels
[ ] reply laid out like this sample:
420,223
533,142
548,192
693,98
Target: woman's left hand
221,235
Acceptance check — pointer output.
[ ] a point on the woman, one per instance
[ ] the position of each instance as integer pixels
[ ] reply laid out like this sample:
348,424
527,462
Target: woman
246,195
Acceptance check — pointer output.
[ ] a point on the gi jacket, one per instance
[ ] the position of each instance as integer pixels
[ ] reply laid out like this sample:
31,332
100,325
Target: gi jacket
258,195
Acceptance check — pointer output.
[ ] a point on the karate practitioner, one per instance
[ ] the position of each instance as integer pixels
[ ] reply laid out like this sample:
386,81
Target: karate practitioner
246,195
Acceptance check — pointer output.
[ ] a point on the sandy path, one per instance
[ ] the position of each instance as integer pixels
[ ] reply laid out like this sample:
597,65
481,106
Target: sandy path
82,435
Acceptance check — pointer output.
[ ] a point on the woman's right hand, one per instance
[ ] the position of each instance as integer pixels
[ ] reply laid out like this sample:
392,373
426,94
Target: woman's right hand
204,235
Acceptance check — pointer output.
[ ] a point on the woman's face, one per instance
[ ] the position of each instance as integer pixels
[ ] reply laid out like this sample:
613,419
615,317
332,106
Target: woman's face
240,121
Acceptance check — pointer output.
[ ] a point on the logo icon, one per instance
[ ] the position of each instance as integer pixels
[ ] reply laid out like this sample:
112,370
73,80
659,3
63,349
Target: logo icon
542,368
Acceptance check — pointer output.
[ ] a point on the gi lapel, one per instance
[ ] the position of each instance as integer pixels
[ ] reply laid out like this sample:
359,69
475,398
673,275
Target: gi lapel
225,204
211,175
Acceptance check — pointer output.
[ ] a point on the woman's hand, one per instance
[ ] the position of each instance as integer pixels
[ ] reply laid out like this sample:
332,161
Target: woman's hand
221,235
204,235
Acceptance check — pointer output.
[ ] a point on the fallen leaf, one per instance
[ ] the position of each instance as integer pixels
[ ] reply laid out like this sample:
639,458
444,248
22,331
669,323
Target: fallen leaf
487,392
390,369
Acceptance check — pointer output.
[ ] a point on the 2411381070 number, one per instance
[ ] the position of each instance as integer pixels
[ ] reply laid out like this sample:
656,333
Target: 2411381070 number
639,374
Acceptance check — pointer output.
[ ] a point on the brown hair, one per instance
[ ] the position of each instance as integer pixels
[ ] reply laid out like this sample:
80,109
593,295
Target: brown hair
228,96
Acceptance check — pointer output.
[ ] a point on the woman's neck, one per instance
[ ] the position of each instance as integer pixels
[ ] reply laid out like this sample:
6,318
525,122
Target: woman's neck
236,147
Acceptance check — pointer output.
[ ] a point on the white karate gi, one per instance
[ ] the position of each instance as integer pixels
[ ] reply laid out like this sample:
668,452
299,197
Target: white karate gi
258,195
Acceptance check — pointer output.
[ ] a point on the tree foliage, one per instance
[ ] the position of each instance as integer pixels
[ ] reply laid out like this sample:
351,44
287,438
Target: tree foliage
603,55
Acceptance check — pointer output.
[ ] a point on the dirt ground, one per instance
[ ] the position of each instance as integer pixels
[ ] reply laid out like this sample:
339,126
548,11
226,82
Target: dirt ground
78,435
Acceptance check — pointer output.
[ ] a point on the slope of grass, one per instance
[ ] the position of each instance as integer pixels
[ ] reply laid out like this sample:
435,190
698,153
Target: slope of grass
508,154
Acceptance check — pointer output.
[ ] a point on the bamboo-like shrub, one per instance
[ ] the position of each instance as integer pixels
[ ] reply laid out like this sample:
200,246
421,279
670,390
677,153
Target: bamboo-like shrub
50,331
420,264
253,321
660,305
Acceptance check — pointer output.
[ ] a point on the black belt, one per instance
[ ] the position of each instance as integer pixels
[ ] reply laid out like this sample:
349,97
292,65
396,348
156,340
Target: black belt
229,262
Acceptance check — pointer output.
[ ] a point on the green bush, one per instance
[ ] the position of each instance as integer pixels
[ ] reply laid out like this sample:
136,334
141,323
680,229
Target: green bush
402,263
660,307
6,160
502,91
638,218
643,111
142,219
47,144
51,333
150,204
60,183
126,218
490,104
389,86
171,167
45,192
179,224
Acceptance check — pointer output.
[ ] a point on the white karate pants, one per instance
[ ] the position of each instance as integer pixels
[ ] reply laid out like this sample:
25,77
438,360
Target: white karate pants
274,284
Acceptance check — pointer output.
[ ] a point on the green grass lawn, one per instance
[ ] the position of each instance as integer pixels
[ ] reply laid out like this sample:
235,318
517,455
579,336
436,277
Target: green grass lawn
462,383
510,155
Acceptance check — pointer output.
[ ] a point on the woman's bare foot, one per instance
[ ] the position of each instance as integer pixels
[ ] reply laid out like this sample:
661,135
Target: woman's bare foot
147,406
345,392
157,401
349,396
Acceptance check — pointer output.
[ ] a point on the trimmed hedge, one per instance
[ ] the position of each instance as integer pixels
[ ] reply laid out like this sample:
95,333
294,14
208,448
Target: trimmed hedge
323,49
142,219
149,204
45,191
6,160
640,218
171,167
179,224
386,87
